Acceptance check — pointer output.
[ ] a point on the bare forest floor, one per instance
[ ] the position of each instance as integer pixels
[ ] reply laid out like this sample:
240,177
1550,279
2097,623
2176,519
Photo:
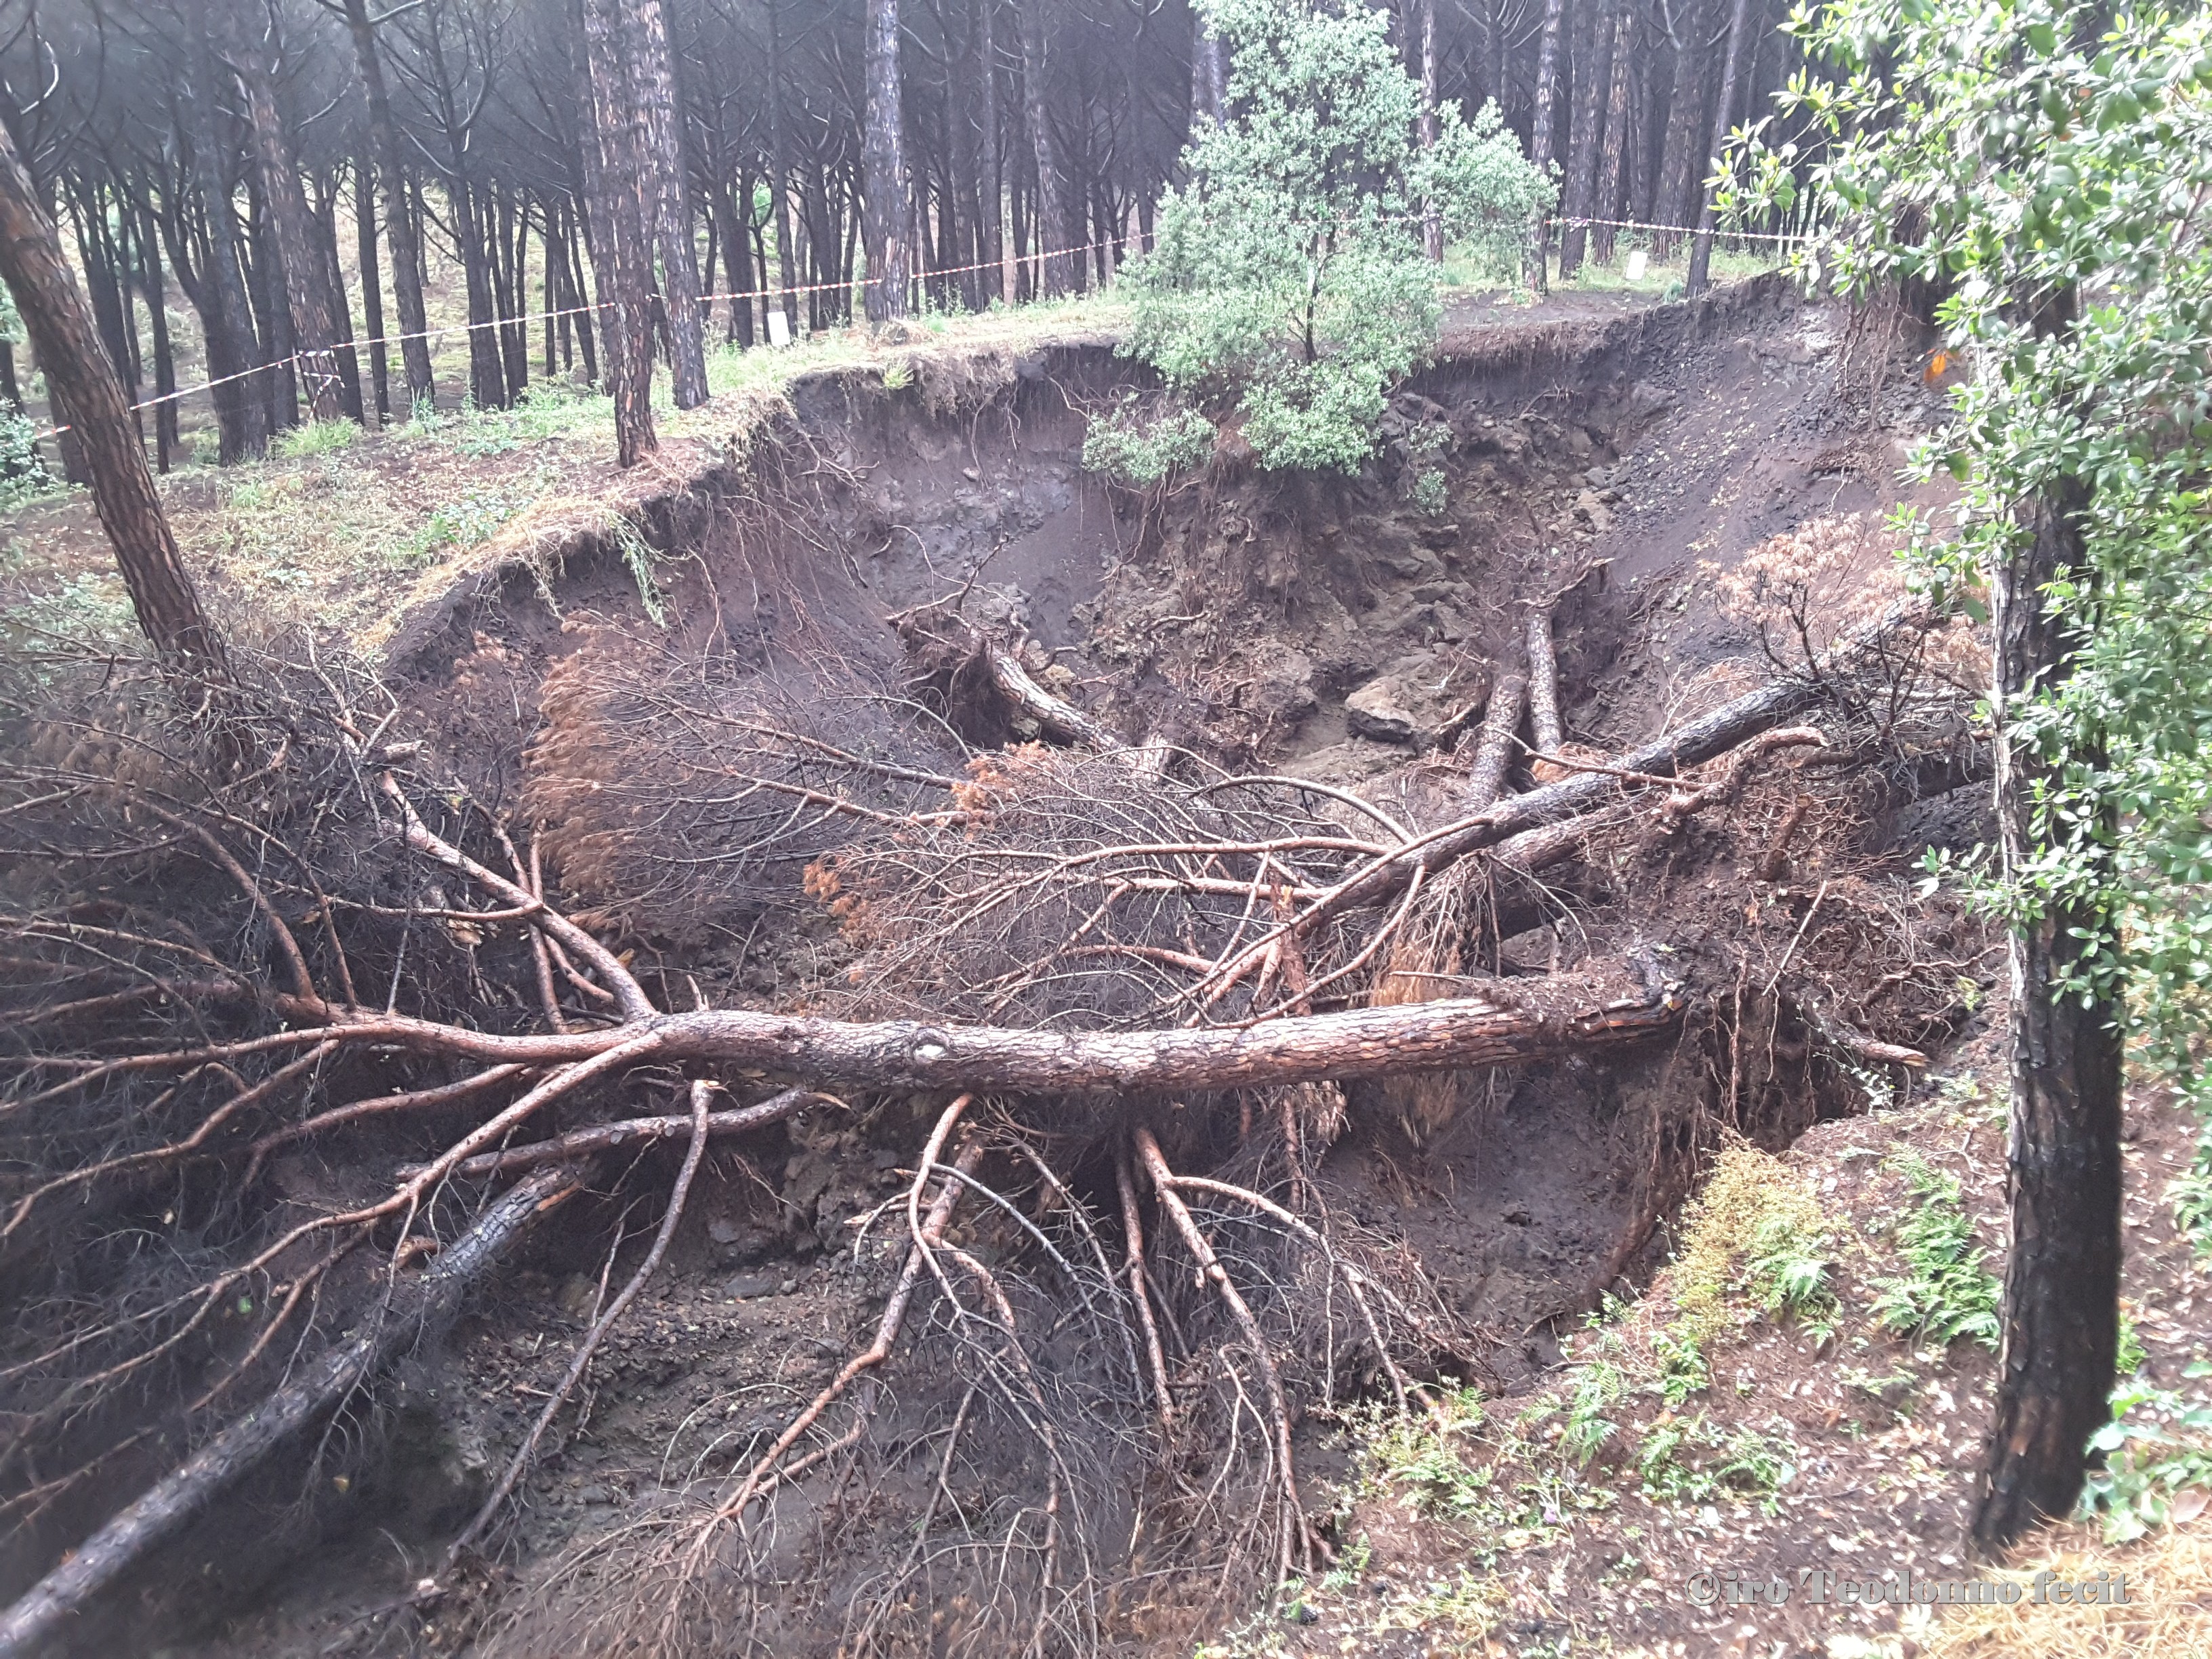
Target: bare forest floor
1692,493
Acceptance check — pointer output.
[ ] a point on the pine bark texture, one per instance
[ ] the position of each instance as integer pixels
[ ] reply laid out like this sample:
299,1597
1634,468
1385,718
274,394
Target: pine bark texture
1593,80
622,187
226,310
306,292
653,64
59,321
884,193
1055,220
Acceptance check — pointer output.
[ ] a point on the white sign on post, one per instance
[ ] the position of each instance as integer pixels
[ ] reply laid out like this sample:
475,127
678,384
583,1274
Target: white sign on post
778,327
1634,269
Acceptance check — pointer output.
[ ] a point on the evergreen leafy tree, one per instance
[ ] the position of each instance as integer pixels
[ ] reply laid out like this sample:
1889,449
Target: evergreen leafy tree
2045,168
1287,290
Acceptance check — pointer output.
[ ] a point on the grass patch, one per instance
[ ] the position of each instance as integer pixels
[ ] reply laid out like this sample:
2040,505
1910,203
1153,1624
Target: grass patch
313,438
1755,1241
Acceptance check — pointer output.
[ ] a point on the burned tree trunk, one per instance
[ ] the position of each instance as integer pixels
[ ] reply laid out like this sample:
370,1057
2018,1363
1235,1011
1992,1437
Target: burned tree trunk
399,222
1701,249
67,340
2062,1276
883,190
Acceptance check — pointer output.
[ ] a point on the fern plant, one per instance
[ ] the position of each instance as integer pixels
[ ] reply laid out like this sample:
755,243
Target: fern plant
1945,1292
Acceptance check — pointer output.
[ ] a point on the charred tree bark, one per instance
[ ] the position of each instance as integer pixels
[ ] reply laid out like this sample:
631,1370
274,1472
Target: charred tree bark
1592,82
883,195
622,187
42,1615
2062,1276
1701,248
398,222
63,334
653,68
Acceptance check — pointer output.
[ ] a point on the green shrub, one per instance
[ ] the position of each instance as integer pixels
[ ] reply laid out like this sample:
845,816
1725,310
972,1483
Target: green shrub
1287,289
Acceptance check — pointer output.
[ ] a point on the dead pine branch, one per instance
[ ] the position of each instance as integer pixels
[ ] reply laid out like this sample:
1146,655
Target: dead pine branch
42,1613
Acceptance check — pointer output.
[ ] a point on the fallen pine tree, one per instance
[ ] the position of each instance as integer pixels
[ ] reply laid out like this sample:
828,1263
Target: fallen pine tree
1055,948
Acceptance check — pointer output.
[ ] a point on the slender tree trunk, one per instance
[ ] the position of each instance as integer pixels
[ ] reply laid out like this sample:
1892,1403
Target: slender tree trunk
166,442
626,190
372,286
298,274
2056,1368
883,191
993,251
572,277
1701,249
1592,83
62,333
399,222
779,183
1541,135
736,257
1054,223
1605,198
226,310
265,287
1432,227
1685,130
669,222
326,247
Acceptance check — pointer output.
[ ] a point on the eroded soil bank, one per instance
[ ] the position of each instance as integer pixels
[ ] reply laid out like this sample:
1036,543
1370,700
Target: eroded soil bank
1613,472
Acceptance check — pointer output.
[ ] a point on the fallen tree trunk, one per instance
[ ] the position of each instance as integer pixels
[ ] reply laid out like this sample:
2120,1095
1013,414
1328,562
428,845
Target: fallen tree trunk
1493,747
891,1054
1701,739
163,1511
